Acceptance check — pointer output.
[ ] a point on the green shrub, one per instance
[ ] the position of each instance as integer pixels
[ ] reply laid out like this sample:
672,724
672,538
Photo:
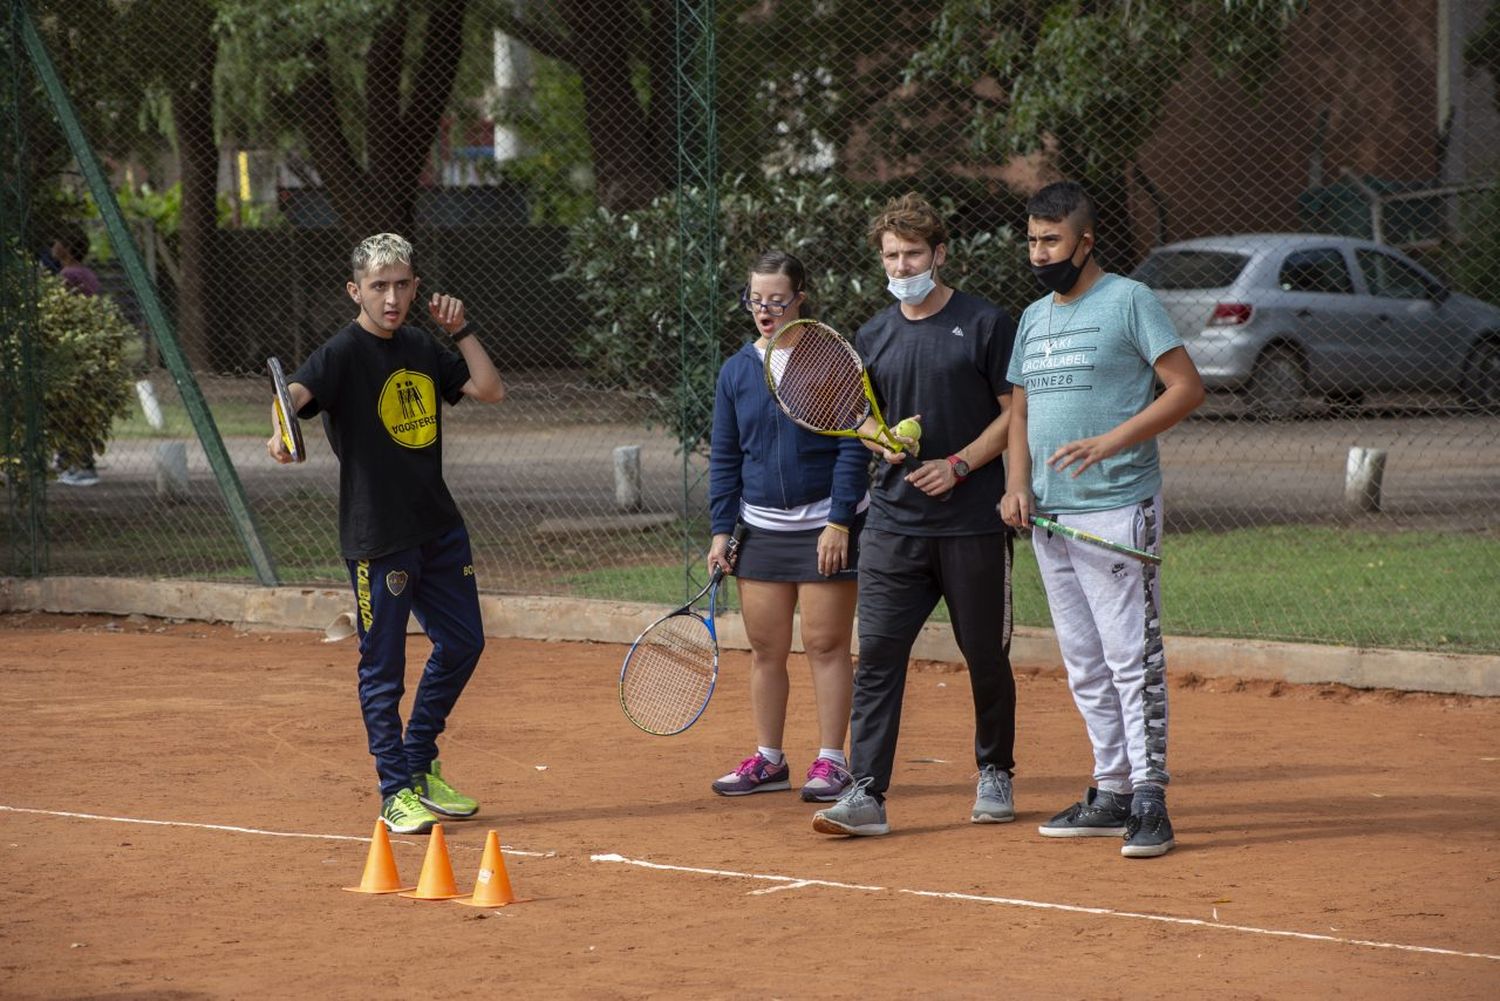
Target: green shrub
626,265
1474,263
83,345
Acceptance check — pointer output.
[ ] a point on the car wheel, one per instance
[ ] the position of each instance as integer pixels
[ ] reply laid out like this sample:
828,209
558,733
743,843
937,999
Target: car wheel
1346,402
1278,385
1482,378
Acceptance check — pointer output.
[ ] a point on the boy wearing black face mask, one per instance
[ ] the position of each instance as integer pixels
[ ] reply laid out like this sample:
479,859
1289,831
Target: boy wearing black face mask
1083,426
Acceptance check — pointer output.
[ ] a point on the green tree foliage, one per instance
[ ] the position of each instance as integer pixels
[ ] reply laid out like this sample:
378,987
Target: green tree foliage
1082,82
623,55
140,86
122,110
1482,51
555,165
363,85
942,93
86,377
1474,261
795,78
625,264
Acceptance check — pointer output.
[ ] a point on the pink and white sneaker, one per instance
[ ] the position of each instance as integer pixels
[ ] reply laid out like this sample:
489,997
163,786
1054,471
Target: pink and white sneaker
755,774
826,782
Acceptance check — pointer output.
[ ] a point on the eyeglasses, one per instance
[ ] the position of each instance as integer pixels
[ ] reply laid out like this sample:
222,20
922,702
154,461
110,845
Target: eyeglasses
772,308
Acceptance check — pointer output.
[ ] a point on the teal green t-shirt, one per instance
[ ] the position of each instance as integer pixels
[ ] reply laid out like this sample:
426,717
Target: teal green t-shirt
1086,368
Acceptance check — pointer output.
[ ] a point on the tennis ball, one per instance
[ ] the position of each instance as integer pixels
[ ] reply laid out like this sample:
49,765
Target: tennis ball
909,428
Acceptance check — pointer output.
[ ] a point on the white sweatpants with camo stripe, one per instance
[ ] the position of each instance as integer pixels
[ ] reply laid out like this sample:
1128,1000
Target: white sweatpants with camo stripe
1106,610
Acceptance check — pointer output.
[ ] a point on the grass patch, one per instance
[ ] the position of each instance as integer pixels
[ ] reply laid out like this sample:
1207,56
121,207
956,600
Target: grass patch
192,539
1411,590
235,418
663,585
1421,591
1417,590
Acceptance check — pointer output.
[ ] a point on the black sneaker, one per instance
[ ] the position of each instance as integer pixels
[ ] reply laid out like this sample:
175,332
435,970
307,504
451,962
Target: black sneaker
1148,833
1099,814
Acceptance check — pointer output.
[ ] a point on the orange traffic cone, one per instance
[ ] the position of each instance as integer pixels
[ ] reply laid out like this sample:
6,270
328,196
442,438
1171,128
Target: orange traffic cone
436,881
380,867
492,888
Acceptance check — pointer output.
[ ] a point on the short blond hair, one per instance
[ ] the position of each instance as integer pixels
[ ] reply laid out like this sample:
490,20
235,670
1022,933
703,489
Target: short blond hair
911,217
379,251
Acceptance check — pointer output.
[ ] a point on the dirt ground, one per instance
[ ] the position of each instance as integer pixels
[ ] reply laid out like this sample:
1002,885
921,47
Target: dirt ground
1333,843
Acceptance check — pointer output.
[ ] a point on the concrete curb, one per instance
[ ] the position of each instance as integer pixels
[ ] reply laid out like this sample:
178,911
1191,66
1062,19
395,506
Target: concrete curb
586,620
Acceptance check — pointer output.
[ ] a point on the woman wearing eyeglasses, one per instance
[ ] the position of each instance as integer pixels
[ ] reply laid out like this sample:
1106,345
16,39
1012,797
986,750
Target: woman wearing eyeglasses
802,498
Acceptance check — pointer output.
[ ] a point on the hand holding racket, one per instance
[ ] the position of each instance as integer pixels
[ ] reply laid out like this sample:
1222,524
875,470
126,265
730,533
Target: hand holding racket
669,674
288,427
819,381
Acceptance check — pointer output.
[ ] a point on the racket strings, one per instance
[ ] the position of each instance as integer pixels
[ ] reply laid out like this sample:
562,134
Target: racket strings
821,385
670,674
778,365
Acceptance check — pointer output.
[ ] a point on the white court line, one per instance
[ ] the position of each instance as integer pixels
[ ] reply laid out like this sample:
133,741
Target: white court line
798,882
235,830
795,882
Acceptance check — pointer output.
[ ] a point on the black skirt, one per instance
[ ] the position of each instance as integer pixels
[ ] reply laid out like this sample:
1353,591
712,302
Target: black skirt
791,556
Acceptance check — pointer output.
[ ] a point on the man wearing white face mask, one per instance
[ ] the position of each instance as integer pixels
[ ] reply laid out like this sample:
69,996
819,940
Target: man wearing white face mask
932,530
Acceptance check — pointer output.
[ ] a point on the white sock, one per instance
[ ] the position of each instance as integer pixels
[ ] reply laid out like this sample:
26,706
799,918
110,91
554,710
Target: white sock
771,754
834,754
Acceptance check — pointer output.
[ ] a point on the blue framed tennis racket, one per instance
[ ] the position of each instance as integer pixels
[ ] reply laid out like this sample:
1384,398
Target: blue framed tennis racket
672,667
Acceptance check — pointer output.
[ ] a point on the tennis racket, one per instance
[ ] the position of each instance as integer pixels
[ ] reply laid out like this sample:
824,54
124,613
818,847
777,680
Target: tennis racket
669,674
822,385
1078,535
286,417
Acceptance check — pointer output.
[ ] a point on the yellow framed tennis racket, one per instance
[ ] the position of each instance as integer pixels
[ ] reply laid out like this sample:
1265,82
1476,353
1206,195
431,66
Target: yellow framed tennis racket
286,416
819,381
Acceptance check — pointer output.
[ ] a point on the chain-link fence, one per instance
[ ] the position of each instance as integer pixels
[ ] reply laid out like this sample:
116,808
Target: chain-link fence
592,177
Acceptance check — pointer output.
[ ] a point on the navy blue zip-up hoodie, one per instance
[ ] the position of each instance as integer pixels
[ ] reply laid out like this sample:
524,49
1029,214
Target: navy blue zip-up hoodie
757,454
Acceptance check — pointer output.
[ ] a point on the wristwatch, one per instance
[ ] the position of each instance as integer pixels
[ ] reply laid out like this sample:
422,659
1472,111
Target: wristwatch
960,468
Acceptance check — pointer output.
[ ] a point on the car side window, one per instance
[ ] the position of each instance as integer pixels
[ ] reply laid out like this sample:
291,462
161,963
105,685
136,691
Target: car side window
1321,270
1391,278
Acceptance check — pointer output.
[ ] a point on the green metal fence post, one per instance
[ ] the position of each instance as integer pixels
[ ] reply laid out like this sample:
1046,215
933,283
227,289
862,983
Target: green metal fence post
140,282
698,245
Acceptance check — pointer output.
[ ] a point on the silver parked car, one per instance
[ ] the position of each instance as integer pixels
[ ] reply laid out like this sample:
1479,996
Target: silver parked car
1280,317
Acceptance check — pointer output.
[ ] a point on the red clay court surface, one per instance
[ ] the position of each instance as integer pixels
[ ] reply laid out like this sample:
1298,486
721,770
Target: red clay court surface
1332,843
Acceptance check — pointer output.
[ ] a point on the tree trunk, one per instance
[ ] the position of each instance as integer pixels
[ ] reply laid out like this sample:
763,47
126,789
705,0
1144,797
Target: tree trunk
630,159
380,194
198,152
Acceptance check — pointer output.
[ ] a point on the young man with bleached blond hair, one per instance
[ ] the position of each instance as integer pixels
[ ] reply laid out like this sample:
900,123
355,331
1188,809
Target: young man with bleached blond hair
379,384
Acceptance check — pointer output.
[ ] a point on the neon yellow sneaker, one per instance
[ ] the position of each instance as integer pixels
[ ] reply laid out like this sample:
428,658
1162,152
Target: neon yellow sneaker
403,813
440,797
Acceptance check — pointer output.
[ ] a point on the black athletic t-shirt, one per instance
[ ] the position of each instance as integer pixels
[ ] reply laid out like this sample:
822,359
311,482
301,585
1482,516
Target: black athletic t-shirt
950,368
381,405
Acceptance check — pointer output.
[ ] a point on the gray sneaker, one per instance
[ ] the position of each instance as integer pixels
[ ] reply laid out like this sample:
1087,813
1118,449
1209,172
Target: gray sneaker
994,802
856,813
1148,832
1100,814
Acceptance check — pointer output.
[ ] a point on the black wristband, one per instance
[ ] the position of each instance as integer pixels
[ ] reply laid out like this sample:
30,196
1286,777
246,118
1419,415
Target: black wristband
467,330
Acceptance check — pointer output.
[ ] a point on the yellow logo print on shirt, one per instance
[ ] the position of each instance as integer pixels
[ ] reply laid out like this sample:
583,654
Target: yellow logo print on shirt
408,408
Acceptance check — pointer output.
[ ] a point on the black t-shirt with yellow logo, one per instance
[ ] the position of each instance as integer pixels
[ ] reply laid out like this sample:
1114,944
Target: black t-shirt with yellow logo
381,401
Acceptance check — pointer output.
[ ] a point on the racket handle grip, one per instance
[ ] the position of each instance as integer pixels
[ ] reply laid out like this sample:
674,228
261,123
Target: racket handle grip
730,552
